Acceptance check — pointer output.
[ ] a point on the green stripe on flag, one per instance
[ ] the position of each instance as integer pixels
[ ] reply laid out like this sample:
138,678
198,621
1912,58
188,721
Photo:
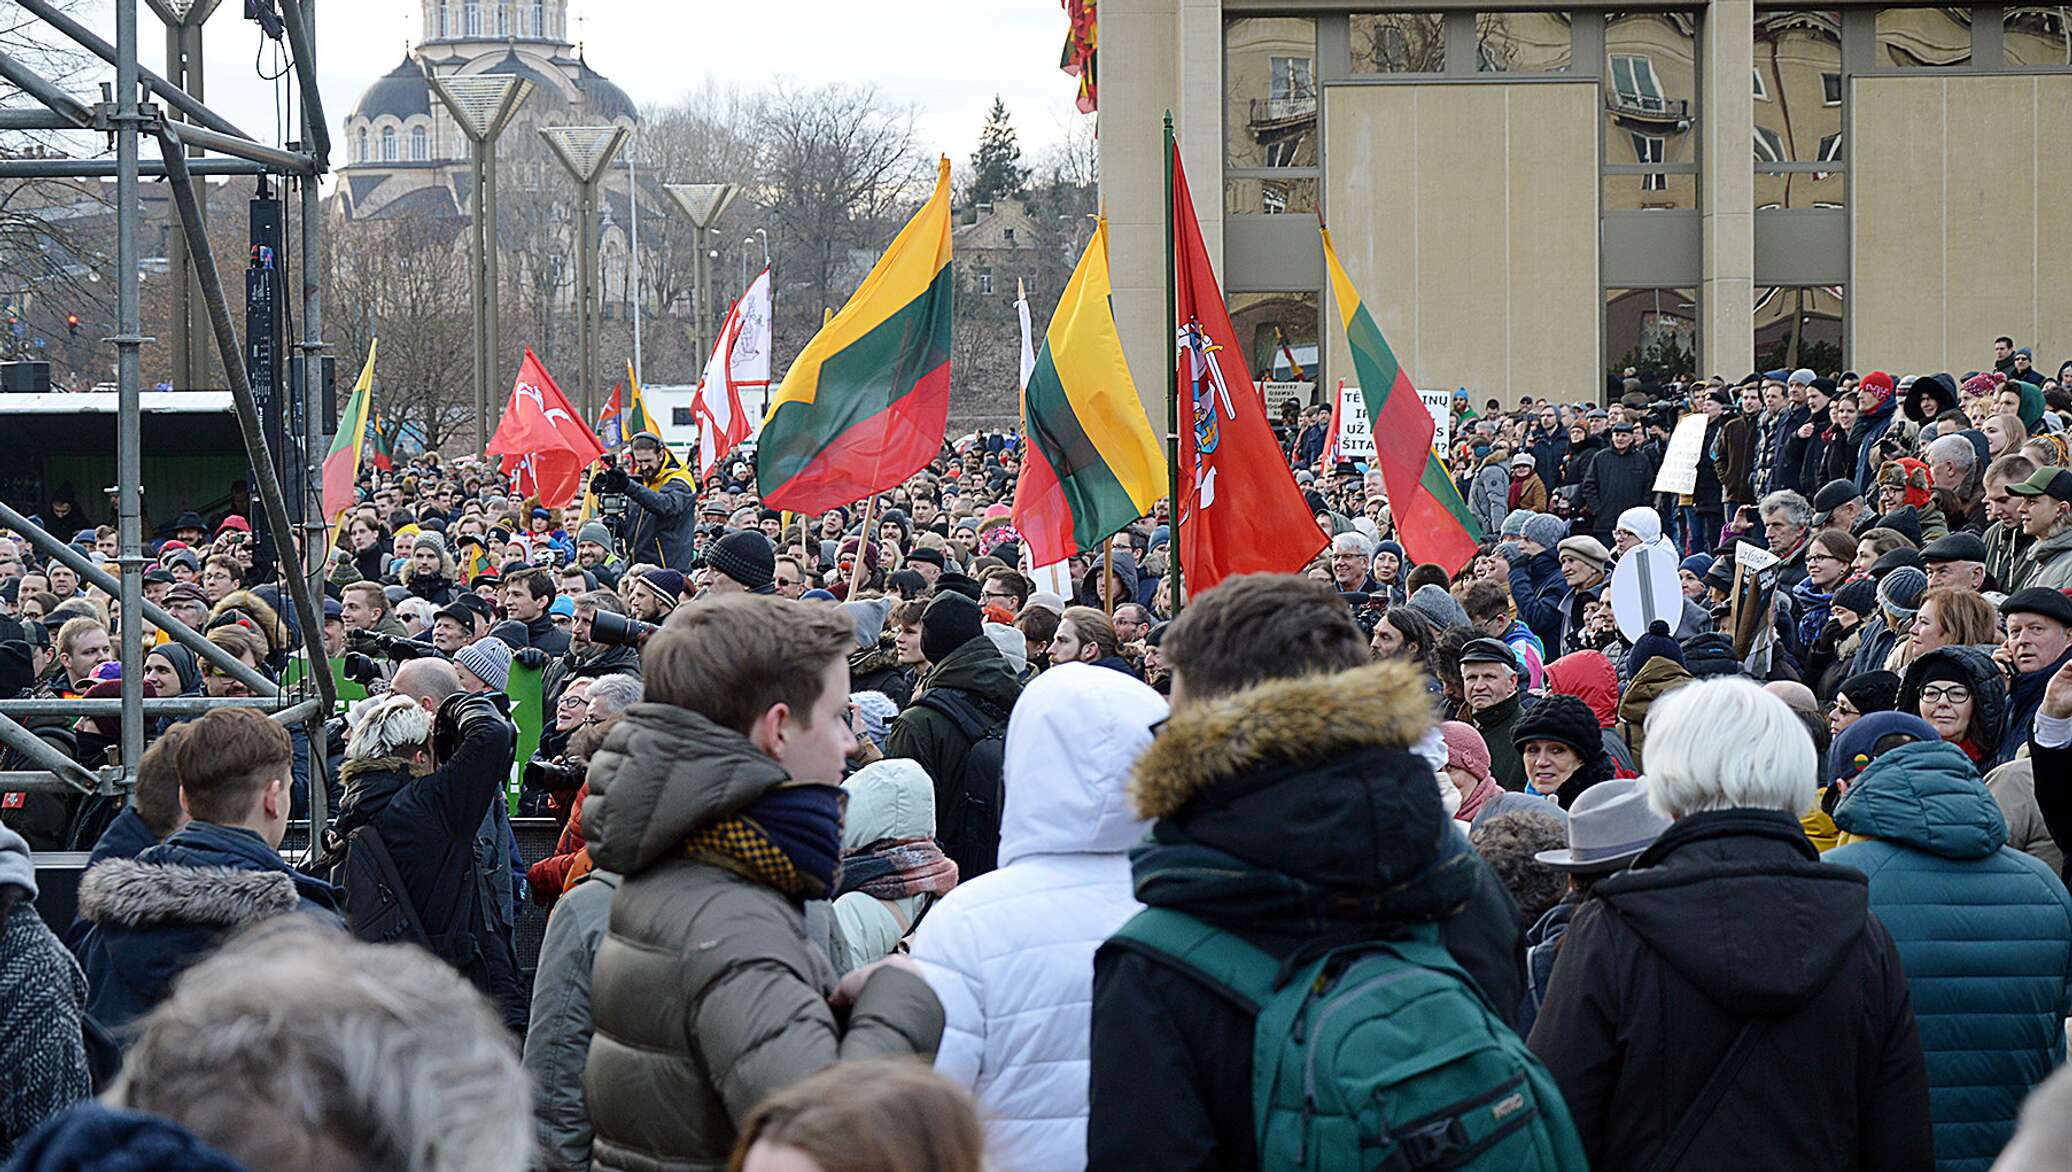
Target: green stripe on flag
1373,361
857,383
1099,503
1440,487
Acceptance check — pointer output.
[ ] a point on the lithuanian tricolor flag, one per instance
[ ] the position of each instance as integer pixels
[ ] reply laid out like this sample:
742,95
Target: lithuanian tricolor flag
865,404
342,463
1093,464
1432,522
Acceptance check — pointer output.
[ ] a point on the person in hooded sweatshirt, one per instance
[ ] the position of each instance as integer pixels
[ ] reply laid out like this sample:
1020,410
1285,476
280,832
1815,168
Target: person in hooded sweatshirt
1985,931
1011,953
1729,952
1288,806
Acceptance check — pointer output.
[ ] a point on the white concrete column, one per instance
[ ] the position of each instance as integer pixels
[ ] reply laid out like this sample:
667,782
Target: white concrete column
1726,188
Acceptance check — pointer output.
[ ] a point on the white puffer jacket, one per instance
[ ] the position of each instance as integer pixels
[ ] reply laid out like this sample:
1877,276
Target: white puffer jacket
1011,954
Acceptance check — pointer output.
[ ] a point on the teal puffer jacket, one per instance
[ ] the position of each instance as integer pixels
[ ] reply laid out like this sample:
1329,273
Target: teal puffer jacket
1984,931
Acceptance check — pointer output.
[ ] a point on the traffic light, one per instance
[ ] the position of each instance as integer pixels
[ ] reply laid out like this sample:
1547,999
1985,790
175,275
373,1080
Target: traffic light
72,324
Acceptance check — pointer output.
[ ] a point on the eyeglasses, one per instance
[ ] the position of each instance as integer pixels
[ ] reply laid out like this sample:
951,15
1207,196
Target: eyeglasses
1952,693
995,596
571,702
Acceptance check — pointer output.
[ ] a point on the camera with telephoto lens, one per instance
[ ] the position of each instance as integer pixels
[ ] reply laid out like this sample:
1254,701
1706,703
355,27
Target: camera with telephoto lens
393,647
460,710
609,629
545,775
610,487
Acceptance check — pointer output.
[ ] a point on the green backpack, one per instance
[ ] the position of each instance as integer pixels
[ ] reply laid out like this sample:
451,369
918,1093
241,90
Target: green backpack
1382,1055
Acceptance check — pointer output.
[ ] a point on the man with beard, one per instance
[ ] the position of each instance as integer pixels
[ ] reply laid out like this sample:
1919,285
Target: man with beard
587,660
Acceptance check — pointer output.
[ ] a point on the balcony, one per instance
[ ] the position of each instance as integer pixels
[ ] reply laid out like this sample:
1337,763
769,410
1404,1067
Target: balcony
1276,113
1647,109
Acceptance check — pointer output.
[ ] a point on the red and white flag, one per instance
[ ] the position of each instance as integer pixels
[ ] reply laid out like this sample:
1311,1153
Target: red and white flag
716,407
544,444
748,348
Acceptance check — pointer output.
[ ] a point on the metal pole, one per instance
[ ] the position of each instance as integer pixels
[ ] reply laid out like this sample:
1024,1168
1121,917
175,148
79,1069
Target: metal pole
492,295
481,316
292,162
302,43
1172,377
169,706
181,633
633,260
178,321
129,440
92,168
586,284
194,323
40,753
306,616
40,88
170,93
314,529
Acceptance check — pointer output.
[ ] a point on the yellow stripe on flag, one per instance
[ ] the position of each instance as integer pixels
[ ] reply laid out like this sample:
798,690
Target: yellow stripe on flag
1086,352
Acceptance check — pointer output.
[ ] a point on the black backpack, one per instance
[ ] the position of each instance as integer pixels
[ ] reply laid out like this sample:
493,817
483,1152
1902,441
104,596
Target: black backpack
968,828
377,905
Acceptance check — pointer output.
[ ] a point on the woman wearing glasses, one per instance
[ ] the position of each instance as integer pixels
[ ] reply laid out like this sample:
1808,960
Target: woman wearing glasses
1960,691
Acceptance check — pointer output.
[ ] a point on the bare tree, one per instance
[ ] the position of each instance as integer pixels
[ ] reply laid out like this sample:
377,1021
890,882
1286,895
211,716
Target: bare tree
404,280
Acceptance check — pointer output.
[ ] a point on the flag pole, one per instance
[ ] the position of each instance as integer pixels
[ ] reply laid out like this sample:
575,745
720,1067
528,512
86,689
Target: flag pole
1172,380
1108,575
870,505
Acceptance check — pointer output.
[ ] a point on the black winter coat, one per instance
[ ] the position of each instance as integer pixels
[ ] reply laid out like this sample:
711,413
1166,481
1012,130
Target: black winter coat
1730,916
430,824
1617,481
1320,794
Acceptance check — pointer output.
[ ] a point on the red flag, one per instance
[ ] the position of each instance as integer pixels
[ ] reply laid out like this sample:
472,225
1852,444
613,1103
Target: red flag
544,436
1240,511
1329,459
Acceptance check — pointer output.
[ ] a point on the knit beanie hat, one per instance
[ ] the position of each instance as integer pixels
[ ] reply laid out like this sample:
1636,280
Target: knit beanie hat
1465,749
17,668
490,659
950,622
1697,564
595,531
1872,691
1858,596
1901,591
1514,523
1544,529
1709,655
747,557
1437,605
667,585
428,540
1642,522
1587,548
1656,643
1558,717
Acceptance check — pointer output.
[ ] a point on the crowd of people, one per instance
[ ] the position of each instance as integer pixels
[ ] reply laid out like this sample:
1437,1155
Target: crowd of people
873,854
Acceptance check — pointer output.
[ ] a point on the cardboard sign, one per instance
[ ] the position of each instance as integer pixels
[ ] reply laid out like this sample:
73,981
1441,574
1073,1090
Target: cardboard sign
1679,472
1277,393
1440,404
1753,559
1355,434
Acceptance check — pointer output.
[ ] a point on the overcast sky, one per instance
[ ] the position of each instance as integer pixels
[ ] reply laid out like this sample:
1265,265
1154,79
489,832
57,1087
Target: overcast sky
945,57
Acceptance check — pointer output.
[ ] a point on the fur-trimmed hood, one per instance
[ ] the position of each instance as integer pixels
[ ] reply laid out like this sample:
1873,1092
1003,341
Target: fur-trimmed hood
136,894
1292,721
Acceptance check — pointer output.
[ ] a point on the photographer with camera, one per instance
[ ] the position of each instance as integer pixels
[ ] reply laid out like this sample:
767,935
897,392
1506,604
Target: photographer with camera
589,657
660,519
424,768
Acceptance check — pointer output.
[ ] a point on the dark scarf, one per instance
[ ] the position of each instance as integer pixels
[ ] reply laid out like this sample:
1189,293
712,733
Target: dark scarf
790,838
895,868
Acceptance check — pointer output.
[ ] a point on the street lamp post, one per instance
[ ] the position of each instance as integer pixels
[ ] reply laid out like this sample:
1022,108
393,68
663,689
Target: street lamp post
702,204
587,152
189,325
482,106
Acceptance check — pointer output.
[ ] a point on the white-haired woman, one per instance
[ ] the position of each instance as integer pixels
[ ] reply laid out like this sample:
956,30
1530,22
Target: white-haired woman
1730,1002
425,800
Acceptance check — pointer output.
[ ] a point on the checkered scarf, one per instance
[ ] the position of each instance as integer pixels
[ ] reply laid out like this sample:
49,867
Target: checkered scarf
790,838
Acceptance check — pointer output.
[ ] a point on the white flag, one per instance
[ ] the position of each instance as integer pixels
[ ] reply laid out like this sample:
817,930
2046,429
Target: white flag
1021,306
748,363
717,405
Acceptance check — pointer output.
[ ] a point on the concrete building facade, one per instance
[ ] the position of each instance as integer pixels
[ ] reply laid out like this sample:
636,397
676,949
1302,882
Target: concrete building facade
1532,199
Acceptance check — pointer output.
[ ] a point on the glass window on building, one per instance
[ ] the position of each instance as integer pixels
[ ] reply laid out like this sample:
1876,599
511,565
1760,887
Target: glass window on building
1399,42
388,144
1268,195
1651,192
1798,59
473,12
1799,326
503,20
442,21
1651,332
1279,334
1912,38
1270,91
1650,77
420,145
1523,42
1775,189
539,18
2036,37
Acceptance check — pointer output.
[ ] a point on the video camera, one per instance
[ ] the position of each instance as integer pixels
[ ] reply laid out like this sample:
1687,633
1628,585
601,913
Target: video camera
610,487
545,775
609,629
394,647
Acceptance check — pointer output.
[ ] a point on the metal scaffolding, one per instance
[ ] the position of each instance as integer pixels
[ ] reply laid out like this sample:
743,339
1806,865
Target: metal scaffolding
127,118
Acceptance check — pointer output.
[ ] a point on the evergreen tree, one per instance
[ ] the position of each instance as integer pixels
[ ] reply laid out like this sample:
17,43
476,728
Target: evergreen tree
996,166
